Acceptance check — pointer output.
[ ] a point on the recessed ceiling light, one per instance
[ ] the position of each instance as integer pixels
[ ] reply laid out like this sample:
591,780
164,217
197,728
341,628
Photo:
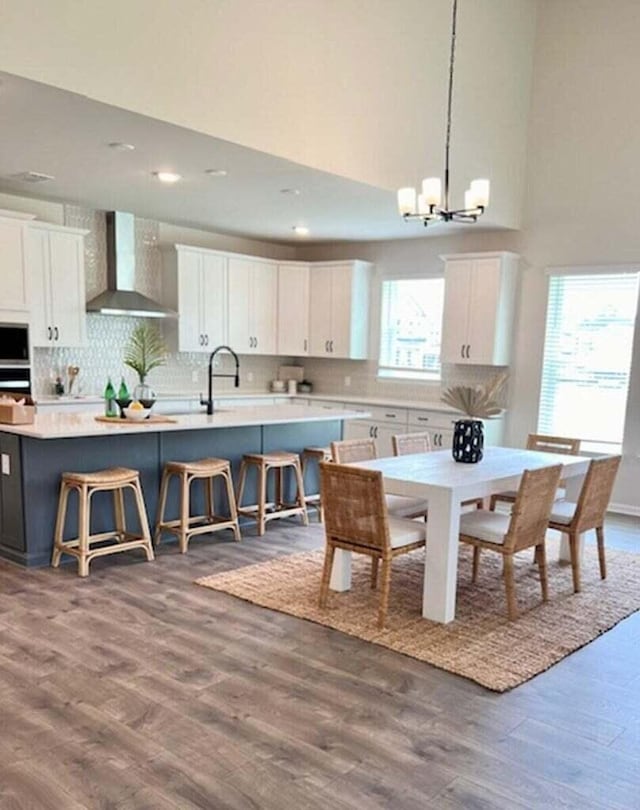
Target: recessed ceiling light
33,177
216,172
167,177
122,147
294,191
301,230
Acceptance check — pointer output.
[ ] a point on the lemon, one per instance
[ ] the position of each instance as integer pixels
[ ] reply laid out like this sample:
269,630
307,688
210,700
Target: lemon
136,406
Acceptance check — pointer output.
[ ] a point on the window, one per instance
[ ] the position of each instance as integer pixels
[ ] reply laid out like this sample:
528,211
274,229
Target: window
411,328
587,357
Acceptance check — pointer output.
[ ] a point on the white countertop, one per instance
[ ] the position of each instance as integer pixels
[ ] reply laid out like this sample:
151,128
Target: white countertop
73,425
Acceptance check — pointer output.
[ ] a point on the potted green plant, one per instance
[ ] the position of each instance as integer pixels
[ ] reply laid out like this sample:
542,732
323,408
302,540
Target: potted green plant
478,403
145,351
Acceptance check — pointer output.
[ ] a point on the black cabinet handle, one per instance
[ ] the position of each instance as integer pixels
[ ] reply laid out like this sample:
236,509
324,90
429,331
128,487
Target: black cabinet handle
305,345
390,415
49,333
206,340
423,419
462,351
56,334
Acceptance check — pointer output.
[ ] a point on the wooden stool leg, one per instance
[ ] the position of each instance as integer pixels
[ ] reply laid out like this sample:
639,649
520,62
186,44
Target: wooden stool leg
241,482
601,556
509,583
208,484
183,537
476,563
574,550
84,513
541,554
329,554
142,517
58,535
374,573
162,505
384,592
300,493
118,508
262,498
231,501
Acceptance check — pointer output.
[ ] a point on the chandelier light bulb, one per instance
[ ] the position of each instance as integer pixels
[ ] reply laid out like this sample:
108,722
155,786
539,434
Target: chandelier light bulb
480,189
432,190
407,200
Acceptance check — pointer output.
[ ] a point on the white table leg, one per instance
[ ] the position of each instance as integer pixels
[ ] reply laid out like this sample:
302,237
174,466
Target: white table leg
441,559
341,572
572,488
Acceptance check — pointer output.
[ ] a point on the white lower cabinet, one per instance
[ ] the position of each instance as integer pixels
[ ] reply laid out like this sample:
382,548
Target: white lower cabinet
55,264
383,424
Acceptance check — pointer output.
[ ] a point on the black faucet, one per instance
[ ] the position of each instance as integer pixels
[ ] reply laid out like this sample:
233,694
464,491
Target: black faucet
209,401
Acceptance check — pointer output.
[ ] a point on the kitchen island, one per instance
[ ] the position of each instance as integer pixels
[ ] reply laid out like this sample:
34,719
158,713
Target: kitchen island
35,456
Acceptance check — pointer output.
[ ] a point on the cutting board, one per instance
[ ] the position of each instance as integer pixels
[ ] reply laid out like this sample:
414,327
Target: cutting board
154,419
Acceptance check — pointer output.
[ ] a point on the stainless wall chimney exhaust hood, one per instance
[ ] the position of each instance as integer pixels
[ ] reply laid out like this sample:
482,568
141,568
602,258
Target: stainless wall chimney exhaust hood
120,298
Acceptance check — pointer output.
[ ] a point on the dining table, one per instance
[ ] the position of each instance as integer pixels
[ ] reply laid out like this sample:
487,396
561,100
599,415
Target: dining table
446,483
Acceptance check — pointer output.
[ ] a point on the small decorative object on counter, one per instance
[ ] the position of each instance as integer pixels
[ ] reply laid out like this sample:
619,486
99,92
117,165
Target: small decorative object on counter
124,398
305,387
478,403
123,391
110,408
59,387
292,386
145,351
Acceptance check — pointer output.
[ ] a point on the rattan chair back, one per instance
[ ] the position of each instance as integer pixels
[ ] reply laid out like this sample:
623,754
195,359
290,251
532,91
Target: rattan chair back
595,493
349,451
532,508
355,510
553,444
405,444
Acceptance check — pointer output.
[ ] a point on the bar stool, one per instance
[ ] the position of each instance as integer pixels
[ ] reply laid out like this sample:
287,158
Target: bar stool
262,511
186,526
309,455
116,480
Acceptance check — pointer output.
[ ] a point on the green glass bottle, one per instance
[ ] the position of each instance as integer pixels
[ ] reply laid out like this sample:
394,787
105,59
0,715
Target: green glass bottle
110,408
123,391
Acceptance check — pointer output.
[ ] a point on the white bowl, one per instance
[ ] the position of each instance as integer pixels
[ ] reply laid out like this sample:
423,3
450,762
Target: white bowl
135,414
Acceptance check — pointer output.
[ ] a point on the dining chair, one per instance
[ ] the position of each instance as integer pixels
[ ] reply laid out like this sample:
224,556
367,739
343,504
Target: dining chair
523,528
405,444
356,519
588,513
543,444
351,451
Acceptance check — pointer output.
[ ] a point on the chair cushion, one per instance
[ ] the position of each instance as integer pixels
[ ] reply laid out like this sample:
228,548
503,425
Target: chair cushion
403,506
402,532
485,525
563,512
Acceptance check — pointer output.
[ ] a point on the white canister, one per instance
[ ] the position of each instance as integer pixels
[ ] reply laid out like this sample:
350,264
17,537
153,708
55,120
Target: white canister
292,387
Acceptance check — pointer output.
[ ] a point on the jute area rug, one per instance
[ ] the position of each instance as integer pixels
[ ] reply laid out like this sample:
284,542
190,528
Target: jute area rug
481,644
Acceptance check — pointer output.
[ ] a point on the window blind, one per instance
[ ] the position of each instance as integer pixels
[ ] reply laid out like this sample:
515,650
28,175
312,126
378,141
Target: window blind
411,328
587,357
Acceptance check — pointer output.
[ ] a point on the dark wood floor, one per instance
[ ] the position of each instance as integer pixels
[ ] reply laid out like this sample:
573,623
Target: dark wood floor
136,689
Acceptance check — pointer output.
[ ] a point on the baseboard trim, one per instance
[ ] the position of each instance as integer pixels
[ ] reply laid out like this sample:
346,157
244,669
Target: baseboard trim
624,509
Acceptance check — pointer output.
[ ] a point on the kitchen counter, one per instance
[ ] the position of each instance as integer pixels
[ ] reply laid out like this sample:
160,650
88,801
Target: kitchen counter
73,425
35,456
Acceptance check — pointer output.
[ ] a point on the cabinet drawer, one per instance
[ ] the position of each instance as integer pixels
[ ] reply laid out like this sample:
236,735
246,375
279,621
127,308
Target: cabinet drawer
432,419
392,416
329,404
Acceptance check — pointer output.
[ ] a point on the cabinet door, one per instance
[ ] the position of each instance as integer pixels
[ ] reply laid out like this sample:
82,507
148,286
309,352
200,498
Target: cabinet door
213,300
483,315
37,263
320,311
241,338
66,279
293,310
14,296
341,280
190,304
457,297
441,439
263,307
359,429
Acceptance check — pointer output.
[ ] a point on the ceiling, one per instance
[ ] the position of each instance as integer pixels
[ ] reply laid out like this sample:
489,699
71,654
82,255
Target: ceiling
66,135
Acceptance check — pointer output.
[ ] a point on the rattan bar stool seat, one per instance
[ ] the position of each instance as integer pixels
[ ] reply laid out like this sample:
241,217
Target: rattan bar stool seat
186,525
86,484
315,455
264,510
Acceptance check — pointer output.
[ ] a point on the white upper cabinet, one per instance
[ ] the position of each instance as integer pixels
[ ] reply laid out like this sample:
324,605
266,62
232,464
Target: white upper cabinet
253,297
293,309
14,280
55,265
339,309
195,285
479,303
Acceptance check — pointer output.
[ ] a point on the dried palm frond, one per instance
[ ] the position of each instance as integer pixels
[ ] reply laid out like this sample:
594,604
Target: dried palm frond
146,350
478,402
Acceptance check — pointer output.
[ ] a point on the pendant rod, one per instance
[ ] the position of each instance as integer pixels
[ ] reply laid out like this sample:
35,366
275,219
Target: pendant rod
449,105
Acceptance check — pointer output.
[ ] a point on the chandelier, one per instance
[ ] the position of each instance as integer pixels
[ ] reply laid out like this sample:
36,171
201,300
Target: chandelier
429,205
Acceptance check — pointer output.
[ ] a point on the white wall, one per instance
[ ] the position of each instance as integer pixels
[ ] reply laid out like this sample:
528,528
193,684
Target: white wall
352,87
